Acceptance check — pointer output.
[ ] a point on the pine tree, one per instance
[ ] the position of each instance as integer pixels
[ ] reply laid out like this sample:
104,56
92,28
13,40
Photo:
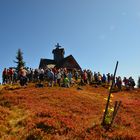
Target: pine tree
139,82
20,62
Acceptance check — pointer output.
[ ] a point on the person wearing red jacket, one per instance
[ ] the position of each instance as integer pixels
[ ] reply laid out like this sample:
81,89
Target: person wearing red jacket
11,74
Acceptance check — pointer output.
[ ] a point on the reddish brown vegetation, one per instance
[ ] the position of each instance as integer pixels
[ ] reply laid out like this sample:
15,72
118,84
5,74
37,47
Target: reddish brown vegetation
61,113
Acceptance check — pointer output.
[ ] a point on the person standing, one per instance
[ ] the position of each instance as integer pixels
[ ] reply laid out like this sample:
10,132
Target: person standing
23,76
59,75
70,77
4,76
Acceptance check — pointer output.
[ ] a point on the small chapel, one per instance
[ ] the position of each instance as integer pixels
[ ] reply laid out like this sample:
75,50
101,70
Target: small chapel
59,61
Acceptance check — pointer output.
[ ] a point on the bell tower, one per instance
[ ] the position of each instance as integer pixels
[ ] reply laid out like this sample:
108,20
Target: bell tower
58,53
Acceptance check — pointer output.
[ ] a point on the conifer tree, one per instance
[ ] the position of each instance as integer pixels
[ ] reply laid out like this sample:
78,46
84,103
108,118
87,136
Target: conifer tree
20,62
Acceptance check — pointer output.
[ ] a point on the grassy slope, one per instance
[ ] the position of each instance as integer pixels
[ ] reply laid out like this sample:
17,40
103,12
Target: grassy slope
61,113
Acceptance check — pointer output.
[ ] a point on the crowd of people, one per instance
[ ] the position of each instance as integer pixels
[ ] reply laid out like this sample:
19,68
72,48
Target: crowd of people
63,77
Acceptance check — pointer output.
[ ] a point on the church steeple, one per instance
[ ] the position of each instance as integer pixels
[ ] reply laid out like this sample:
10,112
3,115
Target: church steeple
58,53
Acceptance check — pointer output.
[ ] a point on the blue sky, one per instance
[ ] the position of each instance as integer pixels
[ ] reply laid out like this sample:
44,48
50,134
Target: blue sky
96,32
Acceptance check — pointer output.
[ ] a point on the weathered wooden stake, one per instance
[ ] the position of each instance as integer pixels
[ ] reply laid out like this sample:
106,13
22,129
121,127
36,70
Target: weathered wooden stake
108,100
116,108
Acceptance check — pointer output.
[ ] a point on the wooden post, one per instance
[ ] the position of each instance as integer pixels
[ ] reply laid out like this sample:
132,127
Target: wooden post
116,108
108,100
